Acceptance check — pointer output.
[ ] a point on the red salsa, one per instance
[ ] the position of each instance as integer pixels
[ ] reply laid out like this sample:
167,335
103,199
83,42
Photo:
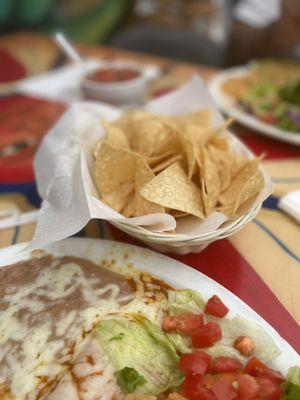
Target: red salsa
111,75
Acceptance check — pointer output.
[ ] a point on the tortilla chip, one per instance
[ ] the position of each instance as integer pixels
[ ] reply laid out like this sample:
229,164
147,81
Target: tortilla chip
246,184
142,206
124,123
115,135
178,214
210,182
126,119
128,210
251,188
155,160
220,143
114,167
237,162
196,173
201,135
246,206
171,141
222,161
198,135
200,118
166,163
117,199
97,147
172,189
189,149
194,137
148,133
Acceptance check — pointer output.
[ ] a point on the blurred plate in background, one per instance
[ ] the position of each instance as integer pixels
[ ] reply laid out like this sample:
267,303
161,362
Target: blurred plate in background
228,105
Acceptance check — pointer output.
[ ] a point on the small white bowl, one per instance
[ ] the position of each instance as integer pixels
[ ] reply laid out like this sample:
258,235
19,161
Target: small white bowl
123,93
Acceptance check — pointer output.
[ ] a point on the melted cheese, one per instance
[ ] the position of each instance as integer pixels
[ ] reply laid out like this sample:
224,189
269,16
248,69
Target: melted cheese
35,341
91,377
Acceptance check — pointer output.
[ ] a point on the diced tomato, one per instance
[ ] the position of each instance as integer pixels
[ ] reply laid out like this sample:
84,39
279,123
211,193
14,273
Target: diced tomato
248,388
226,364
206,357
210,379
223,389
183,323
257,368
207,335
253,365
194,389
245,345
194,363
216,307
269,389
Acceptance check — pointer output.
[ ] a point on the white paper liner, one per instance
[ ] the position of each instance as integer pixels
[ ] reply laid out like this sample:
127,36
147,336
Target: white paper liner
64,162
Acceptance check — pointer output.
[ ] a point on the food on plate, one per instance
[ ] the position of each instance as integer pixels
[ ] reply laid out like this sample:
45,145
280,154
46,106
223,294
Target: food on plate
73,329
20,133
113,75
180,165
270,91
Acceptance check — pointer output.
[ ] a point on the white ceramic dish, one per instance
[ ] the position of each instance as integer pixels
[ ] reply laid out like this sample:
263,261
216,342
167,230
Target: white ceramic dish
129,93
175,273
63,84
228,106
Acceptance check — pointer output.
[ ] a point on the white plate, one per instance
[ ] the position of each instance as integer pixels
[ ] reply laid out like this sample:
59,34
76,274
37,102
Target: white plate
173,272
228,106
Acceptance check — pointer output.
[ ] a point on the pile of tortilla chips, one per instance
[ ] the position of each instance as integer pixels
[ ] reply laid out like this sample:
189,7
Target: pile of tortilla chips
178,165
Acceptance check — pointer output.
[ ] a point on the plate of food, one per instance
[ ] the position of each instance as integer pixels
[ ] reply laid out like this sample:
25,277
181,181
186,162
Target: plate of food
264,95
94,319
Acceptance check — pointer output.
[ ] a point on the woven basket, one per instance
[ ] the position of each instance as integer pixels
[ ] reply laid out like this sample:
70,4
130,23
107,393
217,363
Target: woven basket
183,244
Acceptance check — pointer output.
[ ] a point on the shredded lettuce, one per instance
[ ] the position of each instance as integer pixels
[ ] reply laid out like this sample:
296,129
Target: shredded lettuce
290,92
182,301
117,337
142,346
293,375
179,302
182,344
264,346
291,388
129,379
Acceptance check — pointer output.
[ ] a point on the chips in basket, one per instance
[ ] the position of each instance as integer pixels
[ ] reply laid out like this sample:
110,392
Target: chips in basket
180,165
